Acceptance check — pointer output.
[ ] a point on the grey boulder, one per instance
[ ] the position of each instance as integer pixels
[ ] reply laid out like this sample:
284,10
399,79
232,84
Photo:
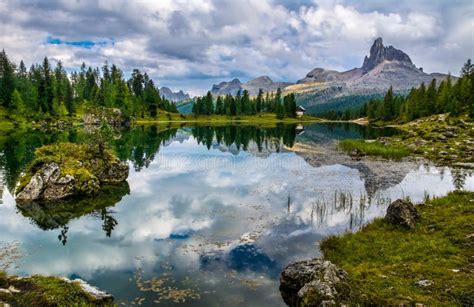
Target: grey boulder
402,212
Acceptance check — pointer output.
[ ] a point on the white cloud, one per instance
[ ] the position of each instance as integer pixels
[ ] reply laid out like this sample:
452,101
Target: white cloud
191,44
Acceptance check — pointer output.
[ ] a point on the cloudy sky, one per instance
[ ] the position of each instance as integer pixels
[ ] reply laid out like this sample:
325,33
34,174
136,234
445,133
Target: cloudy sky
192,44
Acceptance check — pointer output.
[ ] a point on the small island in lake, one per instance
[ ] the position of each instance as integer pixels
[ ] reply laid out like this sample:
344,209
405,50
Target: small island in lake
64,170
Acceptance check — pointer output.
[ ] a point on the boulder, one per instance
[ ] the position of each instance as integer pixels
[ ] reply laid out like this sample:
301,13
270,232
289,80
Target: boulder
63,170
402,212
315,282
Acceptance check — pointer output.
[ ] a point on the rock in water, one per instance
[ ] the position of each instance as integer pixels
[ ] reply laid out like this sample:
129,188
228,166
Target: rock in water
313,282
47,184
402,212
63,170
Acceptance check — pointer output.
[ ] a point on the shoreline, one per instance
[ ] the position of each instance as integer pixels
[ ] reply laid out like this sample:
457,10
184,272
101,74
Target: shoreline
429,263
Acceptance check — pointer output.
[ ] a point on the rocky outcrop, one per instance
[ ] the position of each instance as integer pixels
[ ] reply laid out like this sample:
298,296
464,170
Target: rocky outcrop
98,115
313,282
64,170
402,212
379,53
173,96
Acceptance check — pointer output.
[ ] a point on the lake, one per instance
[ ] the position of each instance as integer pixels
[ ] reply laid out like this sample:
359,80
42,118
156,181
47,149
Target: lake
209,216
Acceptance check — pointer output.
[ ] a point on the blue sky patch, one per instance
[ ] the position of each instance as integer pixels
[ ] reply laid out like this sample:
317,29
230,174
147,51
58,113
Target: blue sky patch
87,44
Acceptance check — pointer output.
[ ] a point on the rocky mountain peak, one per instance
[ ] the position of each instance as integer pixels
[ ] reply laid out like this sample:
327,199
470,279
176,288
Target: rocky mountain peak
173,96
380,53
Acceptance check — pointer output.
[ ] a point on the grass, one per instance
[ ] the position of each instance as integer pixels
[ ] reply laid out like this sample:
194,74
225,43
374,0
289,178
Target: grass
386,262
373,149
189,118
45,291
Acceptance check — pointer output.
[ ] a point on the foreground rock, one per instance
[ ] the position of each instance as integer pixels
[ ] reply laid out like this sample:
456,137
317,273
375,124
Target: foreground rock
402,212
64,170
313,282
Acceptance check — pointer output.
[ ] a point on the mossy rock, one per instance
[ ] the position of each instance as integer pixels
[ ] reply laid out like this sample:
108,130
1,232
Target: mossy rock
63,170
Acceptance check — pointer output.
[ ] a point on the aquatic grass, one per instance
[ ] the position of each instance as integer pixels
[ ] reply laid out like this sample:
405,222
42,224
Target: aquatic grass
373,149
386,263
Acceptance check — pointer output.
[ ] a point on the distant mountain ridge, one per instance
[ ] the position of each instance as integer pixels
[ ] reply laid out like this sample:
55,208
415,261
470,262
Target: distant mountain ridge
173,96
384,67
265,83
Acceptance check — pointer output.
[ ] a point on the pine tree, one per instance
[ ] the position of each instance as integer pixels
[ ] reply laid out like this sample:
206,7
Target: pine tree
388,105
209,105
219,106
259,101
7,79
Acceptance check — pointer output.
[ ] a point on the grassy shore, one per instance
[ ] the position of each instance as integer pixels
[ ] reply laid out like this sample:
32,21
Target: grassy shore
441,138
43,291
432,264
365,148
164,117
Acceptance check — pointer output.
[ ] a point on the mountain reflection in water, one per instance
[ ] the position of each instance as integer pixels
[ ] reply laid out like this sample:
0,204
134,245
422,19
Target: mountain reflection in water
209,215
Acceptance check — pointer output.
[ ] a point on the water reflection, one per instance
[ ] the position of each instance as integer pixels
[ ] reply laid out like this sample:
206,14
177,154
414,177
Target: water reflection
58,215
213,214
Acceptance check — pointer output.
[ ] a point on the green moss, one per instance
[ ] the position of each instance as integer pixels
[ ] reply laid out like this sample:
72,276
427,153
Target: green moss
373,149
385,262
78,160
441,138
46,291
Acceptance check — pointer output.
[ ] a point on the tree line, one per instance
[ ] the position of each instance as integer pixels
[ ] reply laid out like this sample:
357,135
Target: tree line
43,91
243,104
454,97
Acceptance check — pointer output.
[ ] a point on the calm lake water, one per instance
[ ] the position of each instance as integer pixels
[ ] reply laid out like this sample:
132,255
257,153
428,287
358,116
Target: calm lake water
208,216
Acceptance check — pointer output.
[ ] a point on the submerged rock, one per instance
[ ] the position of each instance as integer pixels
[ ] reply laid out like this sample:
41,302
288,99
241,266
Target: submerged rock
63,170
313,282
402,212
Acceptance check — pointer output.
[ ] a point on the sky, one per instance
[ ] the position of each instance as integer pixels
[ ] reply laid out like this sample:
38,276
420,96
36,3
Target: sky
193,44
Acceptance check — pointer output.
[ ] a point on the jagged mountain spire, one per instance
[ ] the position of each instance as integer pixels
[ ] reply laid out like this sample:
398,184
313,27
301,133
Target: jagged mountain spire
379,53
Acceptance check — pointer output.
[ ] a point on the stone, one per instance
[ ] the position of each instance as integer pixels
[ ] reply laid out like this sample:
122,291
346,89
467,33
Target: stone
59,180
315,282
424,283
98,295
402,212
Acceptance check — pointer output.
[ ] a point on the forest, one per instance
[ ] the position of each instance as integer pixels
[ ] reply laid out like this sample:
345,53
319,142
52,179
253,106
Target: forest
243,104
44,92
449,96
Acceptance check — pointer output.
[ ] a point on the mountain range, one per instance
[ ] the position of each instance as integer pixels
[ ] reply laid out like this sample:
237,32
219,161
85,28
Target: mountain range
252,86
385,66
173,96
